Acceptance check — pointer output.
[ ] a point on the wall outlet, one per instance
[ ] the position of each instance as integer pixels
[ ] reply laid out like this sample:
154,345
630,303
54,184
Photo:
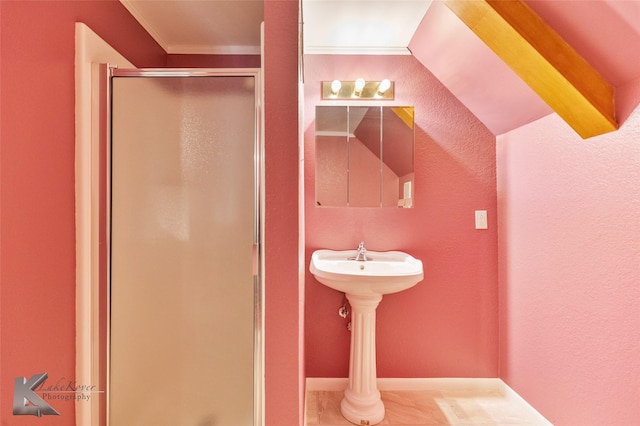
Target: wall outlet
481,219
407,189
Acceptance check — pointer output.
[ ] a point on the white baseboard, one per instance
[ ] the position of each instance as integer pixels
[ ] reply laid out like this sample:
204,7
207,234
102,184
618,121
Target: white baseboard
481,384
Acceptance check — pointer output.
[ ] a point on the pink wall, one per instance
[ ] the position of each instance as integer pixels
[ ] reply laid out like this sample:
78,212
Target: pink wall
570,268
283,293
446,325
213,61
37,230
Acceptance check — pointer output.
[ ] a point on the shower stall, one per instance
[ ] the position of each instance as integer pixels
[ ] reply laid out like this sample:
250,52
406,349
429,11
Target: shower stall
184,302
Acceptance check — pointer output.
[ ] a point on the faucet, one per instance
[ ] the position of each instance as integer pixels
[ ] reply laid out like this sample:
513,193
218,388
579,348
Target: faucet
361,254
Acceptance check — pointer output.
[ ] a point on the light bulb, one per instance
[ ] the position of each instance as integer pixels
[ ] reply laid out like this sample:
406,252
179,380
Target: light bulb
359,86
384,86
335,86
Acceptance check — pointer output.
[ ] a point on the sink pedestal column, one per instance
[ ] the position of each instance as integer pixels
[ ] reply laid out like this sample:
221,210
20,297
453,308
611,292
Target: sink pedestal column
361,403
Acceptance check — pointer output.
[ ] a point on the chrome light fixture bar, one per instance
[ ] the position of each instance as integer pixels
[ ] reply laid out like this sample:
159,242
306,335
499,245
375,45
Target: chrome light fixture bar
358,89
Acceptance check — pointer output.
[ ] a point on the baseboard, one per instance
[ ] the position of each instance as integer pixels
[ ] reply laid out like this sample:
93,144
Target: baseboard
326,383
439,383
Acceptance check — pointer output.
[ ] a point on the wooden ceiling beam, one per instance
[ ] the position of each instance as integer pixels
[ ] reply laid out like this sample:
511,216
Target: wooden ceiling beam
534,51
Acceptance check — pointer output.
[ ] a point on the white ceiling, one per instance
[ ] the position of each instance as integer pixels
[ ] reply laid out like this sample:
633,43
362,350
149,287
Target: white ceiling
381,27
213,27
233,26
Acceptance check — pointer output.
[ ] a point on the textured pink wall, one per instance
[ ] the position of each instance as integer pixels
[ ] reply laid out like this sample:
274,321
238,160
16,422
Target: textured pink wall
447,324
283,293
570,270
213,61
37,228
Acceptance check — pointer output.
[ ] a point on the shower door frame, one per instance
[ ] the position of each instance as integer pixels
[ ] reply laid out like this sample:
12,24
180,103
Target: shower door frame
99,346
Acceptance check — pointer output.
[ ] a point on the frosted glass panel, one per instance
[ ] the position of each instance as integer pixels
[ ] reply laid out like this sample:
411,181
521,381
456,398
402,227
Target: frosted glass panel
182,320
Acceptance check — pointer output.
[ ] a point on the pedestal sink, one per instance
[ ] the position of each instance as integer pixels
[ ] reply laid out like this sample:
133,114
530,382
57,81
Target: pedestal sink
364,282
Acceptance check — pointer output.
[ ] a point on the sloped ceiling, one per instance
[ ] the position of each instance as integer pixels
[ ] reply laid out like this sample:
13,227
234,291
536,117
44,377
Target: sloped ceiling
473,73
604,32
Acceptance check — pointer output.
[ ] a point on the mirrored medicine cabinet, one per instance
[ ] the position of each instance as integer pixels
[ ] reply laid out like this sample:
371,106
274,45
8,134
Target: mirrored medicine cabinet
364,156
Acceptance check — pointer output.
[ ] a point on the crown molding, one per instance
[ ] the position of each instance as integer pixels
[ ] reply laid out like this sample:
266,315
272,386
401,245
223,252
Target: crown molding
197,49
355,50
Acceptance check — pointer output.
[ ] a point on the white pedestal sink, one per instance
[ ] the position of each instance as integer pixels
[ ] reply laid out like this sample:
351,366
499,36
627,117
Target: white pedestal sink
364,283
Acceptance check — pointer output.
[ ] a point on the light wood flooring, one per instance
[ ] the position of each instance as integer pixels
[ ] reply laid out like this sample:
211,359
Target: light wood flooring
454,403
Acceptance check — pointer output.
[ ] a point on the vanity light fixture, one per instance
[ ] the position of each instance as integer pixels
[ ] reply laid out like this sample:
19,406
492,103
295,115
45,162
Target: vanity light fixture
358,89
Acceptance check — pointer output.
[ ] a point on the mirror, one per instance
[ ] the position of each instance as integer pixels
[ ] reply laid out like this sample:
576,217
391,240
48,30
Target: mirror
364,156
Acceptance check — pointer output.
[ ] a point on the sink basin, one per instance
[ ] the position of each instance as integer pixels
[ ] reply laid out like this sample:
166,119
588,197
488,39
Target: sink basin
382,273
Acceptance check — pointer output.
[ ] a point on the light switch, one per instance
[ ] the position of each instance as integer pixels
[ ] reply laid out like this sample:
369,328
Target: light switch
481,219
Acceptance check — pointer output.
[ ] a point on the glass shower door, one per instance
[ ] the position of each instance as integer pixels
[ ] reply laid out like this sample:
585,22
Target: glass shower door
183,227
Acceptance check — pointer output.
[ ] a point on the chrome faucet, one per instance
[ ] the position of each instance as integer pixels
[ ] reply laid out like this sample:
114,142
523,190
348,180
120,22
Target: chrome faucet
361,253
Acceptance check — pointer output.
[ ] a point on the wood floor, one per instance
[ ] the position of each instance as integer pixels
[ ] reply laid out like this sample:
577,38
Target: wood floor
440,402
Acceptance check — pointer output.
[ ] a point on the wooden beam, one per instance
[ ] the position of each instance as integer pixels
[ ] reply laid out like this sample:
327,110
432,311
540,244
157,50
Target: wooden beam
534,51
405,114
